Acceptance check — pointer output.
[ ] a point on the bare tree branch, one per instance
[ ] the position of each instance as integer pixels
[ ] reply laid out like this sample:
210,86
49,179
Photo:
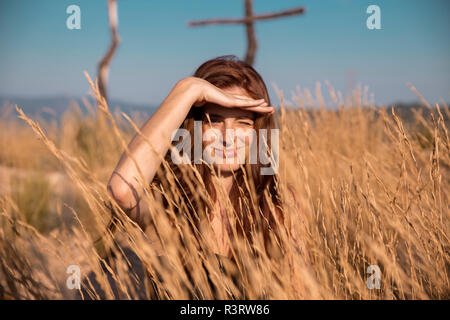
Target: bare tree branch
258,17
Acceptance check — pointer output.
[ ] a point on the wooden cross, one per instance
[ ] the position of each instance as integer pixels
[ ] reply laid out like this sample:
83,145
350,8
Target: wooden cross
249,20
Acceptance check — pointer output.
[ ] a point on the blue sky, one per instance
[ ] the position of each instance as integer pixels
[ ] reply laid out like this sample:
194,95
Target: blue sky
39,56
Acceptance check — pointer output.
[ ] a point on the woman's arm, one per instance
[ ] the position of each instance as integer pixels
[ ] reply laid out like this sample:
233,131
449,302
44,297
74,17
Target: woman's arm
123,184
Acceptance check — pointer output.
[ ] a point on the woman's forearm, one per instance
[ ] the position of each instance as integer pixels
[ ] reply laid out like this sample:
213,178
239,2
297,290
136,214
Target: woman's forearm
158,130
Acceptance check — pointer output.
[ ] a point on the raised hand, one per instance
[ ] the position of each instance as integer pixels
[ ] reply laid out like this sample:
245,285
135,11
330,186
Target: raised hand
209,93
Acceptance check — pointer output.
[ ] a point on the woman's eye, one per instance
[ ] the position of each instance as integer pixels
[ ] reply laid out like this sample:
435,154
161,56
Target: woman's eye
245,123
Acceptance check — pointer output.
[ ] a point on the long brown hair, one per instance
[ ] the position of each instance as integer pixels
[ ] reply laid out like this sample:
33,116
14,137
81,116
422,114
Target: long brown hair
253,213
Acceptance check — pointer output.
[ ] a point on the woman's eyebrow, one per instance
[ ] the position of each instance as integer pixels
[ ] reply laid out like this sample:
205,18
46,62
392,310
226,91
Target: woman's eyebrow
215,115
245,118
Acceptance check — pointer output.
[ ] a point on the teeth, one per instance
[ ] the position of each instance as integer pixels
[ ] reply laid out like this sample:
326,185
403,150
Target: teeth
229,152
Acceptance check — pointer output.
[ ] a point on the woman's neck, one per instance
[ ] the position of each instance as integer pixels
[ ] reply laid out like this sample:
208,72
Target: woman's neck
220,223
224,179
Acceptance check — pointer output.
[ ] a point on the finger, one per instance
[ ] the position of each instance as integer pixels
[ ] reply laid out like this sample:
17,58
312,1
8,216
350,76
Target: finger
247,102
231,100
240,96
260,109
264,104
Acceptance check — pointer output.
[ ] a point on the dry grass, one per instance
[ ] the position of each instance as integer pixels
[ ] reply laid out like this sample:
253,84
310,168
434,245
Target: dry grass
373,191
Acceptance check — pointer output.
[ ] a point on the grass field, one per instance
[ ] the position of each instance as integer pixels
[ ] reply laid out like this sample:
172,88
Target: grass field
373,188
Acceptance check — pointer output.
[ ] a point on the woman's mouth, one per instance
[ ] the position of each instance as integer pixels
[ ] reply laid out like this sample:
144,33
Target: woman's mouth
229,153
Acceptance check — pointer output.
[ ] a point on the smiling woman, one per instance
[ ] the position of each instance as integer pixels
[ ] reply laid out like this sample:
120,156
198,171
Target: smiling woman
236,95
240,203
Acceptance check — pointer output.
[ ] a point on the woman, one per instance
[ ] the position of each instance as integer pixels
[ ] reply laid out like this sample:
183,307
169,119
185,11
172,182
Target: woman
224,93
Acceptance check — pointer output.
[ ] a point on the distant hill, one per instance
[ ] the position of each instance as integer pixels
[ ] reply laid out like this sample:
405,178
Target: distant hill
53,107
406,111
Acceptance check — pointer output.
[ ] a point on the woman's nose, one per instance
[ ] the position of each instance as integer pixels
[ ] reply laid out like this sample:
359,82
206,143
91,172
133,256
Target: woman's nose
228,132
228,124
